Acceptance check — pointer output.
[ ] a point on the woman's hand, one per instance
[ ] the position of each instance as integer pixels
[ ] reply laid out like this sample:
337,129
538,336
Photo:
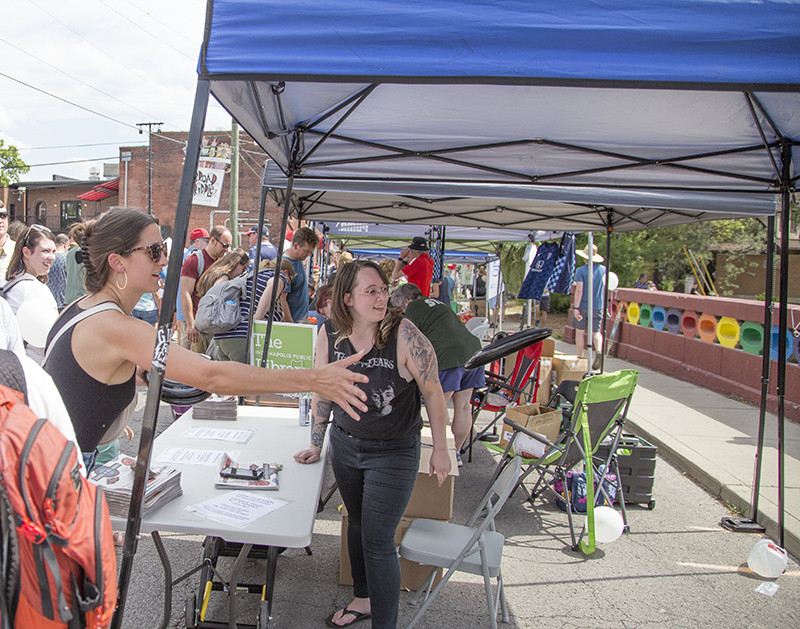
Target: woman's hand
311,455
439,465
129,433
336,383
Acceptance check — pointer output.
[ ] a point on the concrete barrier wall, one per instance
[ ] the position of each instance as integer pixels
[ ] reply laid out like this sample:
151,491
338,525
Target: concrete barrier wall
704,361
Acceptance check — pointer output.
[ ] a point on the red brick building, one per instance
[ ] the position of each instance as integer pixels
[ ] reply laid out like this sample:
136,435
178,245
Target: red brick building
56,203
166,156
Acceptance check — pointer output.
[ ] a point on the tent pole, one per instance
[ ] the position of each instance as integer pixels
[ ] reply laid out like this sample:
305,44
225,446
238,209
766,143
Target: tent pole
605,296
766,365
589,334
257,263
161,350
786,157
287,204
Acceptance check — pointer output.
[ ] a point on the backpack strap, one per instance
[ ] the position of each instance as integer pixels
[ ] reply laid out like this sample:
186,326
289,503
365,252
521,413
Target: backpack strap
12,283
77,319
201,261
11,373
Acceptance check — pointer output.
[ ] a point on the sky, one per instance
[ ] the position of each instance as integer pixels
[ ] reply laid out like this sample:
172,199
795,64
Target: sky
76,76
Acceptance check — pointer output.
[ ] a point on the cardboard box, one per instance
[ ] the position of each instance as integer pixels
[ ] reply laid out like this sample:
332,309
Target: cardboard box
477,307
570,367
545,373
428,500
412,575
536,418
548,351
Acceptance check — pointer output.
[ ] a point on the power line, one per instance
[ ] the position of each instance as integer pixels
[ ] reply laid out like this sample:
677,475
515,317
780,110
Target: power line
167,26
76,146
74,161
91,111
8,43
142,29
127,68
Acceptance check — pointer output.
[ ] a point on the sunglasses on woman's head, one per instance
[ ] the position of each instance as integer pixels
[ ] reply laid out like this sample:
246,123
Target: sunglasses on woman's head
154,250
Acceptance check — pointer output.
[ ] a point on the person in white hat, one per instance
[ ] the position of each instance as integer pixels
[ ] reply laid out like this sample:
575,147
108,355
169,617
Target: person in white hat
580,303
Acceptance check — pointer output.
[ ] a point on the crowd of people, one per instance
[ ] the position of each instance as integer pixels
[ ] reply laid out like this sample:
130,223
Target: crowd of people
376,357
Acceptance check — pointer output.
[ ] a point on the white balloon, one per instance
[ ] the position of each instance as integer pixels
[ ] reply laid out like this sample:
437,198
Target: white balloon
613,280
608,524
35,318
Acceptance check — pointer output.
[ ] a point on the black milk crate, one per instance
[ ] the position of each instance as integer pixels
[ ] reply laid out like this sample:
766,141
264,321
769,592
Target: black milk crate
637,468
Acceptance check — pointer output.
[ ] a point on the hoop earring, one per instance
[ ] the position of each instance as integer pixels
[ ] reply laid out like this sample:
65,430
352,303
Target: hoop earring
116,281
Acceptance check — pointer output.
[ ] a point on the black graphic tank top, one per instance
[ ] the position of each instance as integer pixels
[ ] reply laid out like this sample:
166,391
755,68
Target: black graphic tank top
393,403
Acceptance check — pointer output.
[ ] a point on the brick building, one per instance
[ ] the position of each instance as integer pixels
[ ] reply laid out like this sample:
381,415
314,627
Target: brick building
167,154
62,201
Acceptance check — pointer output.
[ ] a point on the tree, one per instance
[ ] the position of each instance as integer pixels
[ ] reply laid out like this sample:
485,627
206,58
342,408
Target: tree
11,165
659,252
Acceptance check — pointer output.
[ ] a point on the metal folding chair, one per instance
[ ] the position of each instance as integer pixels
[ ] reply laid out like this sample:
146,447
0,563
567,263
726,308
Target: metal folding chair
476,547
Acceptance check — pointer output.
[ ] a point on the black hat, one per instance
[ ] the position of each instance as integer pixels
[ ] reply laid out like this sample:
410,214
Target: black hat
418,244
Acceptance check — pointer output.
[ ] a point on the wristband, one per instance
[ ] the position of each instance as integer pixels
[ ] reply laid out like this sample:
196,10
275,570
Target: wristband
403,260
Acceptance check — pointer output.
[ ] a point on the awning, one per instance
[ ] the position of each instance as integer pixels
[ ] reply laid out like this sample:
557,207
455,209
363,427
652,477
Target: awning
106,189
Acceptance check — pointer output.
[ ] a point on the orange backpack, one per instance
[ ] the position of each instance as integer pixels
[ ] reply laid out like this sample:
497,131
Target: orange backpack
67,563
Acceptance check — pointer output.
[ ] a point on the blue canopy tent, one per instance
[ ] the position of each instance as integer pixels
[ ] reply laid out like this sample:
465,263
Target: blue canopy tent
619,109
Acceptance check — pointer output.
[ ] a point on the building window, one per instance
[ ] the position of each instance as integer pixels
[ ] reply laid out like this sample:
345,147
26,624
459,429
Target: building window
70,213
40,213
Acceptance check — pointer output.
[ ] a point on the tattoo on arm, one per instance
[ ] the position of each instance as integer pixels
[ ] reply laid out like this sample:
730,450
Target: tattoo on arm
421,352
322,411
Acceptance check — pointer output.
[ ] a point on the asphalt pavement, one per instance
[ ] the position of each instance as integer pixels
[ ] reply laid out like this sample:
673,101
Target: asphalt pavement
676,567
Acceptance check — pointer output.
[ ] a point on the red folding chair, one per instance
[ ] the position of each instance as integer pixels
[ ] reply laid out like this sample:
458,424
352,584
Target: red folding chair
500,392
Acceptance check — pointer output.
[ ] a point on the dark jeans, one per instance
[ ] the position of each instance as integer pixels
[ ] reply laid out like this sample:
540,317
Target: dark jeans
375,480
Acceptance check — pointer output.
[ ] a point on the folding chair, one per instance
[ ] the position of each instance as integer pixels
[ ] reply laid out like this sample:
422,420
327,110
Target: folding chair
599,414
501,393
469,548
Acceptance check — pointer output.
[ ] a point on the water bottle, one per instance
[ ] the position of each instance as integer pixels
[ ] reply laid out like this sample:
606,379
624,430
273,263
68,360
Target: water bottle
767,559
304,409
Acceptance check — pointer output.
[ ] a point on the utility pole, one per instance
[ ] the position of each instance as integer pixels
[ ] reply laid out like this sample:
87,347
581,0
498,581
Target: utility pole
149,126
234,184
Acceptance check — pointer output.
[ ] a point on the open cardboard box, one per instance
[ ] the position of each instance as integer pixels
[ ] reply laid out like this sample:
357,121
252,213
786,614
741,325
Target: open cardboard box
536,418
569,367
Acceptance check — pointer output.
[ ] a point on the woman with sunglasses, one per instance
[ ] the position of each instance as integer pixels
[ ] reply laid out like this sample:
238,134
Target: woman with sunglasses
376,459
93,361
27,271
231,264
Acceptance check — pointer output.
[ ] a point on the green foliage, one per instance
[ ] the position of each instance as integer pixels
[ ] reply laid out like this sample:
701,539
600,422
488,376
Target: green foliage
559,303
659,252
11,165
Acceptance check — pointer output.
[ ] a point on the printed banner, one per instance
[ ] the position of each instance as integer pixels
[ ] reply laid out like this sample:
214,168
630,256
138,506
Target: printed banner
208,181
291,345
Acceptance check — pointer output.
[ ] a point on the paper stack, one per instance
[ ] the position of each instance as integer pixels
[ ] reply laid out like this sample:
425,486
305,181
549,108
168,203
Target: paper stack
216,407
116,479
267,475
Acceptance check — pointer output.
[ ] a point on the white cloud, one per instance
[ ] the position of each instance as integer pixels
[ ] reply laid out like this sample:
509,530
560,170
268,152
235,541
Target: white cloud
147,72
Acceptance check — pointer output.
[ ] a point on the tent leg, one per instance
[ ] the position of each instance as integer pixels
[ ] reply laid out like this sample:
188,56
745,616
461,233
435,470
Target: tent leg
161,350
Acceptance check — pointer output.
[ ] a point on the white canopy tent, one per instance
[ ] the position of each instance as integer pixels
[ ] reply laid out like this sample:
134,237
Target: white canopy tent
620,109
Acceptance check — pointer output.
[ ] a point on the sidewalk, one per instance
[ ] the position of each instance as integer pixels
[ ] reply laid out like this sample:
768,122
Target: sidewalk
712,438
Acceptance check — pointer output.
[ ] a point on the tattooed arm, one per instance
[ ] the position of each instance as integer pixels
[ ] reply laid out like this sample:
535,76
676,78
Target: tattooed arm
320,408
416,353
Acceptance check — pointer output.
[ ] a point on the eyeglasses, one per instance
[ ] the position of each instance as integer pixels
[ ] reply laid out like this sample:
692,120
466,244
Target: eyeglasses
224,246
373,293
30,230
3,214
155,250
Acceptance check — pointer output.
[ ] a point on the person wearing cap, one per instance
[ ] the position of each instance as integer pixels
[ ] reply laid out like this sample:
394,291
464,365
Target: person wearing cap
198,239
219,242
268,250
580,303
415,263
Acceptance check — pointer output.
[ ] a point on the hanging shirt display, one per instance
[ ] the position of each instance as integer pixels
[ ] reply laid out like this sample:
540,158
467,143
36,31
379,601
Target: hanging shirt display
540,271
564,271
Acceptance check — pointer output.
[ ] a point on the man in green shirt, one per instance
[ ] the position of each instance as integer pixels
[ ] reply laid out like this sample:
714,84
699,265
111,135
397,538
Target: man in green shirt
454,345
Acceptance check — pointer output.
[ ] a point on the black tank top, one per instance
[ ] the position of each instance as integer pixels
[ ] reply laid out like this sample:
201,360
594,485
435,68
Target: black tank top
92,405
393,404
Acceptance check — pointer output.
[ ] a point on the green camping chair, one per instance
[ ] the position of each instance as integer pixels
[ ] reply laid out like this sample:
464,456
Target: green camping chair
599,413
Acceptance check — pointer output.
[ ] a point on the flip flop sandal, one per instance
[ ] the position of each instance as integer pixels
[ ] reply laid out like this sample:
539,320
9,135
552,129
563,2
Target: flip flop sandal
358,617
